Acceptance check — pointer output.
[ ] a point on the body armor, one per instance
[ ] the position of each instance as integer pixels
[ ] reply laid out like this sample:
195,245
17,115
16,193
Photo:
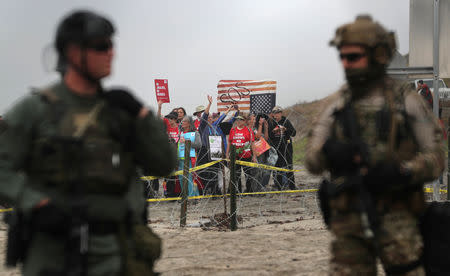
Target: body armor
99,158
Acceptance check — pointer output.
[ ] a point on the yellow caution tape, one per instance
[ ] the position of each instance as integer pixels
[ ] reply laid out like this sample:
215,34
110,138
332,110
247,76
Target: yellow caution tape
6,210
430,190
244,163
262,166
426,190
238,194
180,172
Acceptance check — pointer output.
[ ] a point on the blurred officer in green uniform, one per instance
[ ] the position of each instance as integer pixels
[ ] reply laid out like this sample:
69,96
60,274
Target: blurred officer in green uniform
379,142
69,156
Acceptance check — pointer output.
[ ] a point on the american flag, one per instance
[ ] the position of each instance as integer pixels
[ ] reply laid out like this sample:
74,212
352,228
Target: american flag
250,95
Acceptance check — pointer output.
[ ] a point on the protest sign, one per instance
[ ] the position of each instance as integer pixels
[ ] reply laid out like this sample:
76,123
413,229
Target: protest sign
215,147
256,96
162,90
261,146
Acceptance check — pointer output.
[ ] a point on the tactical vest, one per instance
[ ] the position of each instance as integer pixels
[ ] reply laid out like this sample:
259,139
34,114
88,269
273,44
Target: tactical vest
100,159
375,125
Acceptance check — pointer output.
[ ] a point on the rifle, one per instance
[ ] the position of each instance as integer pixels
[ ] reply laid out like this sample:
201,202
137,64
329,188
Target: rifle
369,217
18,239
77,238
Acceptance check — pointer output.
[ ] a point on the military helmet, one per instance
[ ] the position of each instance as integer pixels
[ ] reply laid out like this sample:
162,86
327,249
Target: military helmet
80,27
364,31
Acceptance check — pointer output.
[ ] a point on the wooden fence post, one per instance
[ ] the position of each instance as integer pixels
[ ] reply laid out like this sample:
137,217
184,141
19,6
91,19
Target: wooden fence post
185,182
233,185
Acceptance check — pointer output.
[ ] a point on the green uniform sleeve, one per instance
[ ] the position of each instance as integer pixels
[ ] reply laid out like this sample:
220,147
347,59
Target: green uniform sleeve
155,155
15,141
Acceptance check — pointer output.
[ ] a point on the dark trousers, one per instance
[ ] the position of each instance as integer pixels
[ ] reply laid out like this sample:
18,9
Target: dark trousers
171,187
283,180
248,173
210,180
208,176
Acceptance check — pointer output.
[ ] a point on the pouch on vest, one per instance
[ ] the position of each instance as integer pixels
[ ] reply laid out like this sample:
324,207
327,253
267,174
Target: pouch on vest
104,164
145,250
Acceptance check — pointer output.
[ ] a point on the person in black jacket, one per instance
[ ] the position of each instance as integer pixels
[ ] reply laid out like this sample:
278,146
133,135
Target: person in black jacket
281,132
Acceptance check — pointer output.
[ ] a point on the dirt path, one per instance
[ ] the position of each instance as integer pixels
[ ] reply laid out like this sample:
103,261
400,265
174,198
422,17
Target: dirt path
278,235
297,248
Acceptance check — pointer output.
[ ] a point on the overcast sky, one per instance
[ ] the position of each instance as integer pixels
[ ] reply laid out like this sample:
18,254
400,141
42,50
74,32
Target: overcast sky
196,43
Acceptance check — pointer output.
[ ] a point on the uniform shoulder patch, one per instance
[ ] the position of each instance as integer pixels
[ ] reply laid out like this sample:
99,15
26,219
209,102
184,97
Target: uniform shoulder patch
49,96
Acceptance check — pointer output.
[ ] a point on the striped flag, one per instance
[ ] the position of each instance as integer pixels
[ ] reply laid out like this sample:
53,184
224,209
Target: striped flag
249,95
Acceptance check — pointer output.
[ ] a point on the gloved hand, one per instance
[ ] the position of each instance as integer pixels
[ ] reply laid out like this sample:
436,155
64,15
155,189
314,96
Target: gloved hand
123,99
341,156
50,219
387,176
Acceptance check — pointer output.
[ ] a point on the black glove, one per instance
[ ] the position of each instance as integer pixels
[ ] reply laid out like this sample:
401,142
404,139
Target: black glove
387,177
123,99
340,155
50,219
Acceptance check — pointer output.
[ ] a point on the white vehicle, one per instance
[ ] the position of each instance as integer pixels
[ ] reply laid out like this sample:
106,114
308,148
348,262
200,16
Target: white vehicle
444,91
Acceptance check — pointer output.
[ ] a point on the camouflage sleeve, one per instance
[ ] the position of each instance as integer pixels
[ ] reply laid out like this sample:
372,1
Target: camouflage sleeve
155,155
315,160
15,141
429,161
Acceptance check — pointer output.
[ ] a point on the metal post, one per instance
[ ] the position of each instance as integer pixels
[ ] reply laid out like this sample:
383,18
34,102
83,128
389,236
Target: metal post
184,183
436,58
233,183
448,166
436,186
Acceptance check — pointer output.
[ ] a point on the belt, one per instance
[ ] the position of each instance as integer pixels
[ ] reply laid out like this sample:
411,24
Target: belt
103,228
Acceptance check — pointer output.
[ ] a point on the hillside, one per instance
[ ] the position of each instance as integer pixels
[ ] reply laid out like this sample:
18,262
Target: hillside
303,116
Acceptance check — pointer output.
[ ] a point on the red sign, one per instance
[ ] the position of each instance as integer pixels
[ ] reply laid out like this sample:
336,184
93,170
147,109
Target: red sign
162,90
261,146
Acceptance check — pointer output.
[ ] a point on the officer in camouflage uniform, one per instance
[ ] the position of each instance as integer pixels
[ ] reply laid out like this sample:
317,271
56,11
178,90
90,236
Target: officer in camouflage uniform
379,155
69,154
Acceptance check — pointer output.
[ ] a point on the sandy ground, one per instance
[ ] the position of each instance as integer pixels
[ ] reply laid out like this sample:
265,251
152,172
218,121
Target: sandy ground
280,234
297,248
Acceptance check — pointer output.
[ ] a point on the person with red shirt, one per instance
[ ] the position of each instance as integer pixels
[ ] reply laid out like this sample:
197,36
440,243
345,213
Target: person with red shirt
172,127
173,131
242,137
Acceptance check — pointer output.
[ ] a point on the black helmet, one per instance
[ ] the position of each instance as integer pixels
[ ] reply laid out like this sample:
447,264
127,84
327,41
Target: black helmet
80,27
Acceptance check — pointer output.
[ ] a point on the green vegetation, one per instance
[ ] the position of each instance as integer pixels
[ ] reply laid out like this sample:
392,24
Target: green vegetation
299,150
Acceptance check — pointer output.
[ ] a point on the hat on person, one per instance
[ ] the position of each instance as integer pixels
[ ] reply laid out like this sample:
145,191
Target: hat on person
198,109
240,117
277,109
420,81
172,115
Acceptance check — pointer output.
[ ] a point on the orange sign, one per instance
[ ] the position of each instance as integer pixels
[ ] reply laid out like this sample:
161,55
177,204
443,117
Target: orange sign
261,146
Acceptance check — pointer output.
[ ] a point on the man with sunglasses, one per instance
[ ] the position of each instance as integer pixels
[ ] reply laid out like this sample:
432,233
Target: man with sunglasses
379,144
69,156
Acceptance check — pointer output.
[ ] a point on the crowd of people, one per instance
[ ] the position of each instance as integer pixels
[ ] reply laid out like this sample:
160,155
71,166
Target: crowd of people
211,133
